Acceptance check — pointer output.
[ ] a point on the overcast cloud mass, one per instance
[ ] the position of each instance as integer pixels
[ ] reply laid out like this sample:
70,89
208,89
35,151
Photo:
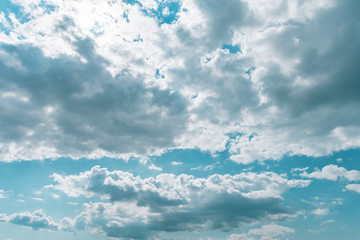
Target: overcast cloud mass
179,119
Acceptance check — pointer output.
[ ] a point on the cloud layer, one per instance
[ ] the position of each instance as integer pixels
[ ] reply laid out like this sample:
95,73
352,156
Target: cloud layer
183,86
126,79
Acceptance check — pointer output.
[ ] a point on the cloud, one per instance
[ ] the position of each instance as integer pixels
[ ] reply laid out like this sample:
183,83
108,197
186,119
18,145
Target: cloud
79,110
55,196
265,232
169,203
117,79
321,211
3,194
353,187
225,213
121,185
333,172
38,199
316,230
176,163
154,167
36,220
275,91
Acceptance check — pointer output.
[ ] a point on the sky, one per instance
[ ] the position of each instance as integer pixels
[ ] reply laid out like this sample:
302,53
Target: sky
170,119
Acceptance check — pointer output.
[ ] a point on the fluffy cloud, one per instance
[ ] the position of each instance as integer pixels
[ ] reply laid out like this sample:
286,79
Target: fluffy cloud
266,232
39,220
78,109
36,220
175,203
123,186
353,187
333,172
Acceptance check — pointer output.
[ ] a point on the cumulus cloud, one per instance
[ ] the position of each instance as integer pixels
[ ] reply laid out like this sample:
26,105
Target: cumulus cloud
36,220
353,187
266,232
175,203
78,109
39,220
333,172
119,185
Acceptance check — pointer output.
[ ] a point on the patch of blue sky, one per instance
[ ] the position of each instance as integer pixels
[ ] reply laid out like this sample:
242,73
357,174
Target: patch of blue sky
47,7
4,29
250,71
132,2
252,135
126,16
158,75
8,7
324,194
138,39
166,13
232,48
233,135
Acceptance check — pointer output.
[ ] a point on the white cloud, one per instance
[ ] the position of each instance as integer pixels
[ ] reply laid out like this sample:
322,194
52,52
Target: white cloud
316,230
321,211
103,182
353,187
36,220
153,167
265,232
55,196
333,172
38,199
176,163
299,169
3,194
328,221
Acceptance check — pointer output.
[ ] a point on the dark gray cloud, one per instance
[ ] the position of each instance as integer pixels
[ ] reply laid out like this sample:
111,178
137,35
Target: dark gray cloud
222,212
328,52
222,19
73,108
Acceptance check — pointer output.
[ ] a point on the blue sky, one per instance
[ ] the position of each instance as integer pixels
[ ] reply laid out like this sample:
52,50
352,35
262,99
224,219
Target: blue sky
166,119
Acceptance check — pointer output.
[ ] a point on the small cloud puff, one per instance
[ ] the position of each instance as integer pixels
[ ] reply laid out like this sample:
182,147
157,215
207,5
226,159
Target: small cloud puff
265,232
176,163
321,211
